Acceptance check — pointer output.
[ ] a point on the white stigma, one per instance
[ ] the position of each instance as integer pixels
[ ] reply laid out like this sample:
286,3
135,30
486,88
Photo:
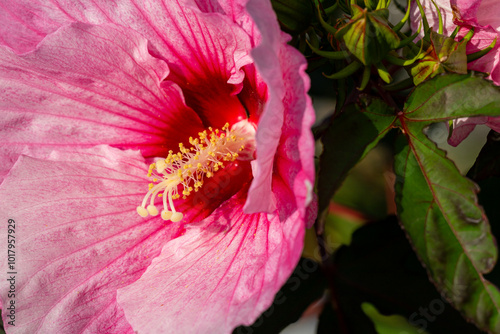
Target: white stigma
189,167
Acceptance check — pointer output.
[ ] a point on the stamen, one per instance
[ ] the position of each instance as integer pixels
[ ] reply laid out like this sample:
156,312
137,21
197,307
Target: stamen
190,166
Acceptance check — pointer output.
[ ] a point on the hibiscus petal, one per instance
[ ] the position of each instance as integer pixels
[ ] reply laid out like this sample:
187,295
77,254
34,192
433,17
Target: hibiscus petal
467,9
494,123
234,9
283,69
462,127
87,85
205,51
295,161
479,12
487,14
219,274
78,239
431,15
267,60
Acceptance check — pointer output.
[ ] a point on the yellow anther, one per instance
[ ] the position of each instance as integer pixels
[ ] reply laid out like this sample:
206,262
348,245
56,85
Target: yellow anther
176,217
142,211
165,214
153,211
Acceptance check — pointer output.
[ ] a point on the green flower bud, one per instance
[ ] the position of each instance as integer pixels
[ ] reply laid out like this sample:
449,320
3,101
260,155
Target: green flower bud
368,35
294,16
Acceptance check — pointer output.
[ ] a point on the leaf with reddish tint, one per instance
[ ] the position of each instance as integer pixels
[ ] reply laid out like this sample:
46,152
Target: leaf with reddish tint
438,207
444,55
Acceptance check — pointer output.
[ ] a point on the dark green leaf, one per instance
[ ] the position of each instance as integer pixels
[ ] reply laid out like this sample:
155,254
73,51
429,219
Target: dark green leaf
294,16
306,285
381,268
361,128
489,197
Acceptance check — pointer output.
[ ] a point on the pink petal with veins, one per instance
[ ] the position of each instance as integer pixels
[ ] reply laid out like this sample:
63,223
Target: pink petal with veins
78,239
199,47
65,94
103,82
221,273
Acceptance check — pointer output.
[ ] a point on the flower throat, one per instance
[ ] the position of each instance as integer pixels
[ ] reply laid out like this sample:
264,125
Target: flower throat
179,174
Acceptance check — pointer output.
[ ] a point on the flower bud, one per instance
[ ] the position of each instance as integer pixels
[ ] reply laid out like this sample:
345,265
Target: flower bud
368,35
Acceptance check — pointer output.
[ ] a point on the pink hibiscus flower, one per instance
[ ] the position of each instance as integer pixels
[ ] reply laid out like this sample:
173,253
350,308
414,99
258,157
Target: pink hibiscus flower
92,92
483,16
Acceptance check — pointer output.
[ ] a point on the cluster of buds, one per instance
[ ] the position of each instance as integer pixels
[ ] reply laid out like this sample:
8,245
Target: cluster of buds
357,37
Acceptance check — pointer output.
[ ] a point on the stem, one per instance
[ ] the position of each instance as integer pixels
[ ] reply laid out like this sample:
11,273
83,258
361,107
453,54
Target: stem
346,71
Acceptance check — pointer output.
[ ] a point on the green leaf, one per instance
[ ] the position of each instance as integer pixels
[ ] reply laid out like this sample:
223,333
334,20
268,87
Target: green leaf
361,128
294,16
306,285
381,268
389,324
438,207
452,96
489,197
